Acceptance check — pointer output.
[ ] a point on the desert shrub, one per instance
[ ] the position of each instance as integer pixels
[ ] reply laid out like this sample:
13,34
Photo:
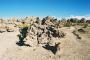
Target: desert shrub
22,36
81,30
67,24
85,25
78,21
89,26
82,20
23,25
73,20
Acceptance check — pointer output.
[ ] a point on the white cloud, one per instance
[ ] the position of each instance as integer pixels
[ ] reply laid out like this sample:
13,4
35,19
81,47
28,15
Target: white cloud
79,17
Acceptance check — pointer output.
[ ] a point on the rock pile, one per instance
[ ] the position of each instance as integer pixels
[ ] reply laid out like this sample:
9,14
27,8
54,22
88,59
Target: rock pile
6,26
43,31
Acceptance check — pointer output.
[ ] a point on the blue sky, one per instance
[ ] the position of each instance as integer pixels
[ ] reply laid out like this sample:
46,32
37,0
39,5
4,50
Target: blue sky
41,8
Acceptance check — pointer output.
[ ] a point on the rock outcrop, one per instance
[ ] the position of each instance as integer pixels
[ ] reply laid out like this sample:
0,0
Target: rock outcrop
42,32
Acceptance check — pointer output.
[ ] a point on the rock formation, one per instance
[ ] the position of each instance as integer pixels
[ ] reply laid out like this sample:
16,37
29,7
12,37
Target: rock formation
42,32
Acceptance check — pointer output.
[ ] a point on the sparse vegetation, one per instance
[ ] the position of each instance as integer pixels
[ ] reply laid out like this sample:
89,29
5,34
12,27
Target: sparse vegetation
67,24
85,25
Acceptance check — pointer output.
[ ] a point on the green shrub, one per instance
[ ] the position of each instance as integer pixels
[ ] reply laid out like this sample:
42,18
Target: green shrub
67,24
85,25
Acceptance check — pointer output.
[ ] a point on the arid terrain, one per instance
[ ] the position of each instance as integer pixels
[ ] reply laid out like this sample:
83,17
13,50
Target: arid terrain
46,40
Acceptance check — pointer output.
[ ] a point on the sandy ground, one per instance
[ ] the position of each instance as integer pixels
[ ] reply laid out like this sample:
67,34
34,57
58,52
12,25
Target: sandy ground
10,51
7,41
71,48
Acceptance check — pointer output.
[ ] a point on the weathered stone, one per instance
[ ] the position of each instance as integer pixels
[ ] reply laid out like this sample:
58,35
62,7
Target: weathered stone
42,34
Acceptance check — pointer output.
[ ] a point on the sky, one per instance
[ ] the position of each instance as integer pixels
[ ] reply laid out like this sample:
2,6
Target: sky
42,8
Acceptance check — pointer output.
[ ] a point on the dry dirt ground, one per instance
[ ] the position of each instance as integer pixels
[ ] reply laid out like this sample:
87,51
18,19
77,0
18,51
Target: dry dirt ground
71,48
